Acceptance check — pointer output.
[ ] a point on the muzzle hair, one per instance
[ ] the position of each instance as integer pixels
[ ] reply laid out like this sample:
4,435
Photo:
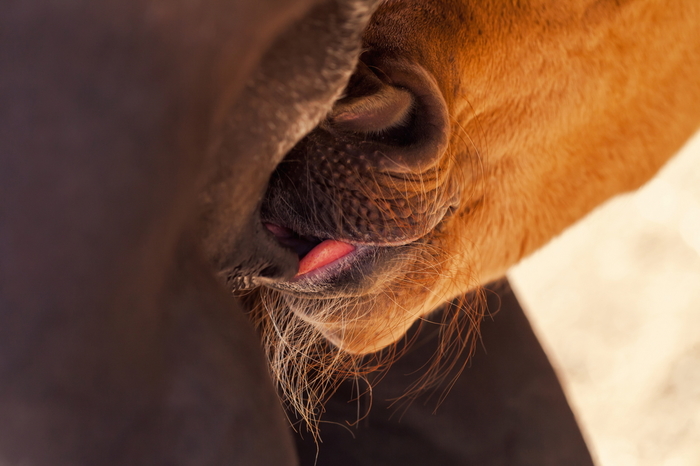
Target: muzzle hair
308,369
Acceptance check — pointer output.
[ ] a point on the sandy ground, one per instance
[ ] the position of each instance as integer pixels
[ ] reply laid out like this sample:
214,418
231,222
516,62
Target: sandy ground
616,302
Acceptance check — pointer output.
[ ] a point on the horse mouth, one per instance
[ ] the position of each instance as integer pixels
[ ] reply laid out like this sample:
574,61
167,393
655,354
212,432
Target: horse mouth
327,264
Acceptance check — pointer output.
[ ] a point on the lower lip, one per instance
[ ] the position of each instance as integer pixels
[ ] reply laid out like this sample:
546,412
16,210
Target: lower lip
325,253
334,268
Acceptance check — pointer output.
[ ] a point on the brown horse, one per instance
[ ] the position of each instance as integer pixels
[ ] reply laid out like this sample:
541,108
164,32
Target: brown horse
470,134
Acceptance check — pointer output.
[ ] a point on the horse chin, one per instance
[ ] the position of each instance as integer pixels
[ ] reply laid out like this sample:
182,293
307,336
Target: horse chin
368,305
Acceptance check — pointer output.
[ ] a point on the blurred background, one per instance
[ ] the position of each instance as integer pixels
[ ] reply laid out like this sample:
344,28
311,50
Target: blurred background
615,301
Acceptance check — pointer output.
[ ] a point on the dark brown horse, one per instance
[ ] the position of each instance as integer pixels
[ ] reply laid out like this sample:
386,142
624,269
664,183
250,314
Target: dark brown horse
117,346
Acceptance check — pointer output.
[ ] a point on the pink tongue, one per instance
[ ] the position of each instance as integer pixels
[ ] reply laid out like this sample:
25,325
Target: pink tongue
325,253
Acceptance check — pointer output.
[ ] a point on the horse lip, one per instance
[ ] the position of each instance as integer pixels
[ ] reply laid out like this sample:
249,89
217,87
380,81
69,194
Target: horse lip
332,269
325,278
324,253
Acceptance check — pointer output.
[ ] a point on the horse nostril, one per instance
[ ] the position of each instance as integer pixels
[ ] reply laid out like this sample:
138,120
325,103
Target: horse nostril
399,110
371,106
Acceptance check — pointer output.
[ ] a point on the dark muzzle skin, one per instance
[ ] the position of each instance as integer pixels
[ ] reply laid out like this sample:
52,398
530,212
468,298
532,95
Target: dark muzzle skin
371,174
